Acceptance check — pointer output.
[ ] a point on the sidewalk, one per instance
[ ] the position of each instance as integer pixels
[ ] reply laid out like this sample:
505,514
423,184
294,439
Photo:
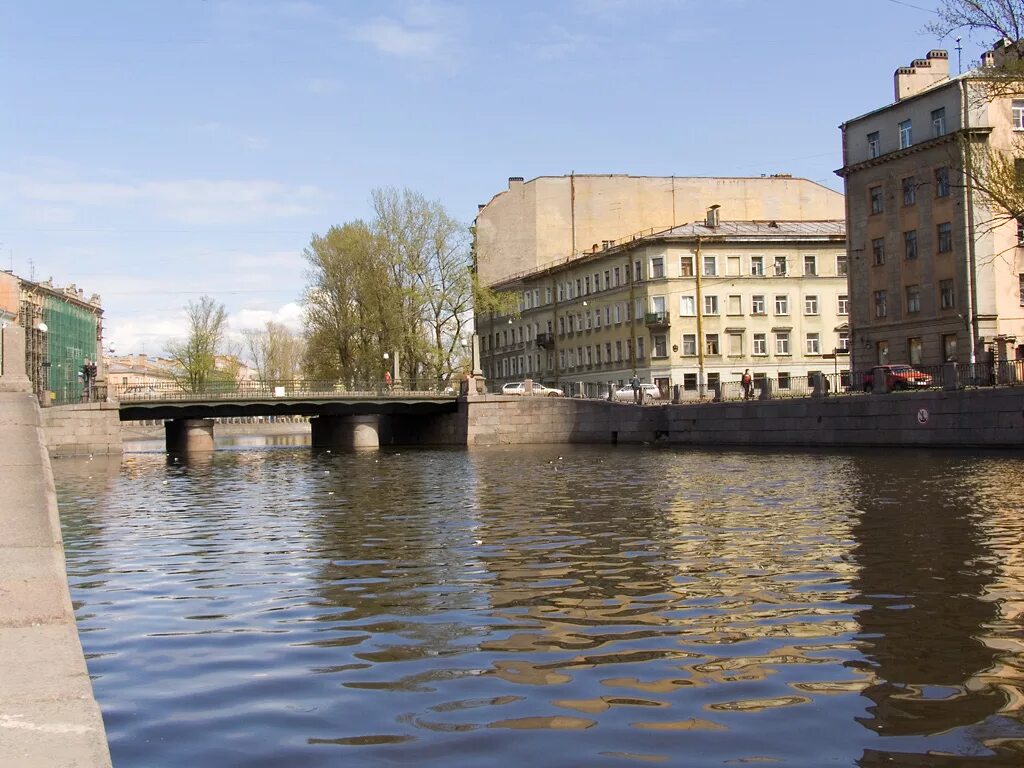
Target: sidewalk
48,716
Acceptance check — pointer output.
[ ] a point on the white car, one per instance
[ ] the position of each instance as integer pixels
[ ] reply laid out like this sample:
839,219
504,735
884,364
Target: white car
539,390
649,393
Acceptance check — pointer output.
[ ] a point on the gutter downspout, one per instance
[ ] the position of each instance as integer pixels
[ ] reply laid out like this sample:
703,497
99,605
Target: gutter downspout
698,268
972,298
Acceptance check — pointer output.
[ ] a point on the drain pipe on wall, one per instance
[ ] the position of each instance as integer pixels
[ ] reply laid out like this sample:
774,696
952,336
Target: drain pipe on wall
968,164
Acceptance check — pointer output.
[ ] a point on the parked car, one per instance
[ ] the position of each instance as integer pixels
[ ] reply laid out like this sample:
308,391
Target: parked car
539,390
897,377
649,393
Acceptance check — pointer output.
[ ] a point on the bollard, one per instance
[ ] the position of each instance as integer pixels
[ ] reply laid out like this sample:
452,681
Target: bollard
819,385
766,389
950,382
717,389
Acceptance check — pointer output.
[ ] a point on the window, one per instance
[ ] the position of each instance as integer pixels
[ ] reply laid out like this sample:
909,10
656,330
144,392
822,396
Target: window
617,313
657,267
938,122
913,299
880,309
1020,280
946,298
949,347
760,344
1020,231
878,250
945,237
843,304
660,346
616,273
874,145
810,265
579,288
658,305
597,318
687,306
711,344
782,305
780,265
690,382
910,244
689,344
914,350
735,304
875,195
608,352
906,134
607,315
561,326
732,265
638,312
810,305
1018,115
757,305
586,286
783,380
640,348
607,279
782,343
844,340
636,271
710,266
710,305
842,266
942,182
686,266
909,190
618,351
813,344
757,266
735,344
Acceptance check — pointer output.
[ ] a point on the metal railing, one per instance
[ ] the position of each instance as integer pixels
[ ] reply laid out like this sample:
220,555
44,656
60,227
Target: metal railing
258,390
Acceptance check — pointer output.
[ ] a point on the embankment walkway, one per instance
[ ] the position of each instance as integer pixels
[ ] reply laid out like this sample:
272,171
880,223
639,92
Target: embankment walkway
48,715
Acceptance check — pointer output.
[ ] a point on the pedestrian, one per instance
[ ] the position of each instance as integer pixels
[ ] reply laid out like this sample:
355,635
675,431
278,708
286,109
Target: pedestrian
748,385
387,380
635,383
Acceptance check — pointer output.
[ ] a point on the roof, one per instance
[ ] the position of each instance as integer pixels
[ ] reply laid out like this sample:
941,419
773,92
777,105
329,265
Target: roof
757,230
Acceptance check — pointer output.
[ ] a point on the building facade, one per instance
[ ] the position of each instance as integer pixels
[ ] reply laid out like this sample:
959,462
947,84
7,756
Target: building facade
694,305
539,223
935,276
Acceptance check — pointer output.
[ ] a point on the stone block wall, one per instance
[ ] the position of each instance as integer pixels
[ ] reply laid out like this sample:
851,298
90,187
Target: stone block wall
82,429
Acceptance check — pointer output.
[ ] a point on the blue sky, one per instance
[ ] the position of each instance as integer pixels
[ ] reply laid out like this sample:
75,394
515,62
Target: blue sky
155,151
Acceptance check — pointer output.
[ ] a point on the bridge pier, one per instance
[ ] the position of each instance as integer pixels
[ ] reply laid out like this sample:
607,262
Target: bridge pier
346,431
189,435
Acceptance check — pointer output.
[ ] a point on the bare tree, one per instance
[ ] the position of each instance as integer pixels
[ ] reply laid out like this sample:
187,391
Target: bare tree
196,356
276,352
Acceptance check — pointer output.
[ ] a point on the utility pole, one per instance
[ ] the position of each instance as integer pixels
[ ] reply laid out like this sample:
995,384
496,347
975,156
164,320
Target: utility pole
698,269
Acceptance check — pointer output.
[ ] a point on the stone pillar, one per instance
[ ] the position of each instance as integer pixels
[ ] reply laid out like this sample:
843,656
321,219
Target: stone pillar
766,389
950,382
189,435
12,360
361,431
717,390
819,385
879,382
477,370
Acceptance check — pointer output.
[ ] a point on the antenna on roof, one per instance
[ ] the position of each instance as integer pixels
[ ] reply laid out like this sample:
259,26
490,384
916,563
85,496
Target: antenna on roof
959,50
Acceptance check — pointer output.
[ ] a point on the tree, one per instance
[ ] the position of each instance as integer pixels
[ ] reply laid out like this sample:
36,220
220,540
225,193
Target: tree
1003,19
196,356
276,352
399,284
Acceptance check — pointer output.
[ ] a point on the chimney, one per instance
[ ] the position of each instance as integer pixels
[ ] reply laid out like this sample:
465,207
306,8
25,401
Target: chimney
515,181
711,219
921,74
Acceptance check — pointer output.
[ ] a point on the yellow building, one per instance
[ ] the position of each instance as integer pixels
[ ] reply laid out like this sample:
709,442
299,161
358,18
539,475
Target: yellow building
691,305
934,275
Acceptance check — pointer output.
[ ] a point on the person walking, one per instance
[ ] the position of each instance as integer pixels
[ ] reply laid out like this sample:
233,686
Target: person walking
387,380
747,383
635,383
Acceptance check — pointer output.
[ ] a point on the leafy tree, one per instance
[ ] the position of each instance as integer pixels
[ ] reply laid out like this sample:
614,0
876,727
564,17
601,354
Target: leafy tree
196,356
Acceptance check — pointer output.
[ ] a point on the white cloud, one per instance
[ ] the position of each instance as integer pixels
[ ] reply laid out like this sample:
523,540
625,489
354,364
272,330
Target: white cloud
289,315
425,30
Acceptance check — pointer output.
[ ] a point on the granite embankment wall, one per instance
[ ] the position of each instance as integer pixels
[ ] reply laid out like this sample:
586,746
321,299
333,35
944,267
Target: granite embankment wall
82,429
48,715
976,418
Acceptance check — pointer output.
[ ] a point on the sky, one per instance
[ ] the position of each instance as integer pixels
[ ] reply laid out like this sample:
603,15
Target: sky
156,151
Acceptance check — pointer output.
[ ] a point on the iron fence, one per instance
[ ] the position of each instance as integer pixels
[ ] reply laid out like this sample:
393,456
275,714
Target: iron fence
258,390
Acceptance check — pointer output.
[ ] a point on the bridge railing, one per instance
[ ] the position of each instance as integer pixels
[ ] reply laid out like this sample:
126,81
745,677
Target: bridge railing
257,390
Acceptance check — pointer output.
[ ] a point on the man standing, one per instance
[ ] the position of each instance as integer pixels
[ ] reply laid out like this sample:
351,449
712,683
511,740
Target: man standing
635,383
748,385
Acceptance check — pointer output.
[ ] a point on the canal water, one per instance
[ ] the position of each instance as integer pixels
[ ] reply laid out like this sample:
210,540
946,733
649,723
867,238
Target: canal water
551,606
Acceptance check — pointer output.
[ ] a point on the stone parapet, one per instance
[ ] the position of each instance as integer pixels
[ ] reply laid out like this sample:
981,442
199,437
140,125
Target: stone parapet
82,429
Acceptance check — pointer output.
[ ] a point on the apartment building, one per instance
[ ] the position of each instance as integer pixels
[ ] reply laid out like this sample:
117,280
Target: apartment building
935,276
692,305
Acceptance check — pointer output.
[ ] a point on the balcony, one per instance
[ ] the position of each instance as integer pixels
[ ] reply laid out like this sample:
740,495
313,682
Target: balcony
545,340
657,321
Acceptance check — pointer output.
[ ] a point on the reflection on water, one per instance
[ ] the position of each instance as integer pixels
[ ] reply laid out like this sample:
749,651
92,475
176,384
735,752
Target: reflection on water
554,605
